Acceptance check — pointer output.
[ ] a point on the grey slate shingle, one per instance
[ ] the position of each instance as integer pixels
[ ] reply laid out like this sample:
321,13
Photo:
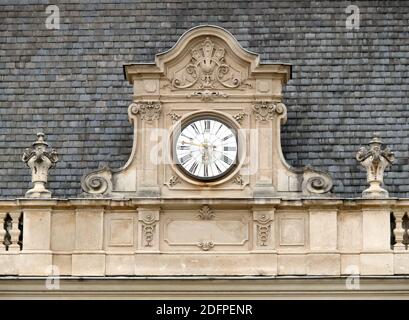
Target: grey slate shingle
69,82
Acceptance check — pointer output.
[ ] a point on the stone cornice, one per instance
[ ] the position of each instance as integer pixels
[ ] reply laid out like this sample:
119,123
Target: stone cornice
245,203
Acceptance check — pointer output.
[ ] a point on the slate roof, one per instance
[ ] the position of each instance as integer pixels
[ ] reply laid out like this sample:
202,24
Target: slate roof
70,84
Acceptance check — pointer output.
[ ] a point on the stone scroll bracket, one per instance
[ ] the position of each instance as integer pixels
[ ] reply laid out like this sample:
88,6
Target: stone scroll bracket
315,182
97,183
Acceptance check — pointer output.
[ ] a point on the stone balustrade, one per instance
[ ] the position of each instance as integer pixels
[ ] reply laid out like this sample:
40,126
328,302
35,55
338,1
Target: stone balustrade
98,237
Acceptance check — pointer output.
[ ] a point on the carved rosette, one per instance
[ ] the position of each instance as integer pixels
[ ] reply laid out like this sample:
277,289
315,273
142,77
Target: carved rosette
205,213
39,160
207,69
375,161
267,110
97,183
148,110
316,182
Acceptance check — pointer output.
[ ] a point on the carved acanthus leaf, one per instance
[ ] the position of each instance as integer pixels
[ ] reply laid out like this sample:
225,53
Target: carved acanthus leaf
174,116
174,180
205,213
240,117
148,110
266,110
238,180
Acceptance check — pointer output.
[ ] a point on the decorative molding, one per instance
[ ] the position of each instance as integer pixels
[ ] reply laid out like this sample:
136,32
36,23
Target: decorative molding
207,95
263,234
207,69
149,110
174,116
148,229
375,161
266,110
205,245
39,160
240,117
205,213
174,180
263,227
238,180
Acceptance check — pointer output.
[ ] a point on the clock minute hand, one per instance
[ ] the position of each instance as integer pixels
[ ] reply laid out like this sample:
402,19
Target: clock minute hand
191,143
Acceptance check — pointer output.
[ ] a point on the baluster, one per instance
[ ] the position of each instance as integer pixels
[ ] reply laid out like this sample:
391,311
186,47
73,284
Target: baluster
14,231
399,231
3,232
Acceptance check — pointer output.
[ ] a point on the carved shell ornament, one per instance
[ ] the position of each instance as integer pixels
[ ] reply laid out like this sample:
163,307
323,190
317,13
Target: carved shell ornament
207,69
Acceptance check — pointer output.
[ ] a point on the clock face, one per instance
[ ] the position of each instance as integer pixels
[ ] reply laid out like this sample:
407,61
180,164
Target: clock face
206,148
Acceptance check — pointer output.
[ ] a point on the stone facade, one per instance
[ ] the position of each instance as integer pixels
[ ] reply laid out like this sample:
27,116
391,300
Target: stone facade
261,218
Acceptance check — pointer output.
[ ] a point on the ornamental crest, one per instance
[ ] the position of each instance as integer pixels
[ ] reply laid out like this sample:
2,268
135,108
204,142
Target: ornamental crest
207,69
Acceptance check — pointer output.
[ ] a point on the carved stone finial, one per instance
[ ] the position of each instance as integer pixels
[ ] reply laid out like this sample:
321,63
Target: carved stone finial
375,160
39,160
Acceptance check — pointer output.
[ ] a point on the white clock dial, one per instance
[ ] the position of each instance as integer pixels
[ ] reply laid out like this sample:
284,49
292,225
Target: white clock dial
206,148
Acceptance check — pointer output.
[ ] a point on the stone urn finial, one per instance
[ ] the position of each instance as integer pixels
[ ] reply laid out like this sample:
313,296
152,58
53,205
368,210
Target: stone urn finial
39,160
375,160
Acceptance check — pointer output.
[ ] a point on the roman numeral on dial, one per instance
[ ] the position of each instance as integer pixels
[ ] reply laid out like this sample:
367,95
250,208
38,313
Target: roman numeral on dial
195,128
227,160
193,168
207,125
206,170
185,159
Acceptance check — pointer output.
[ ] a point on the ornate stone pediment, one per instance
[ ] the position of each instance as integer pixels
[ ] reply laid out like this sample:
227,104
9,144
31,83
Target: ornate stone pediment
207,75
207,69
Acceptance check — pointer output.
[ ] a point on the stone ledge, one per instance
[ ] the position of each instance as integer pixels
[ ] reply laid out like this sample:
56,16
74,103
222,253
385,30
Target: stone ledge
204,288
